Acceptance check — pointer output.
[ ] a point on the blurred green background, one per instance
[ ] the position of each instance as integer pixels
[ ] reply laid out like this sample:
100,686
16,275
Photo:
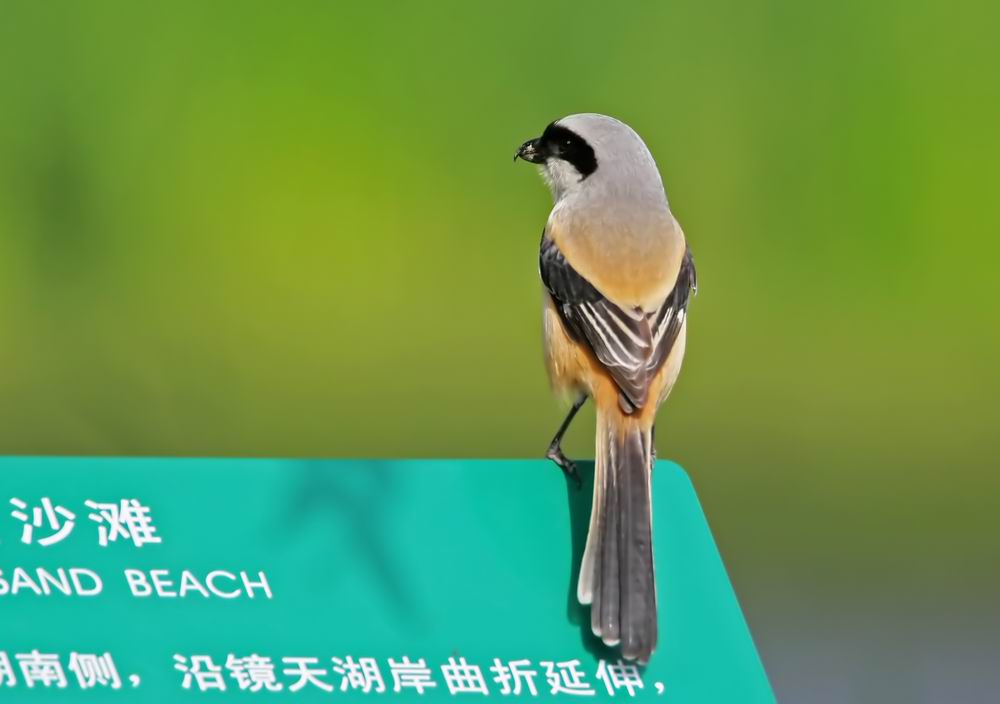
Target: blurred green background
251,229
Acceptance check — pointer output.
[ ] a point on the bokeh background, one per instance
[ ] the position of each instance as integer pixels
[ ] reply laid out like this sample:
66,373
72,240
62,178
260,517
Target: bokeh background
245,229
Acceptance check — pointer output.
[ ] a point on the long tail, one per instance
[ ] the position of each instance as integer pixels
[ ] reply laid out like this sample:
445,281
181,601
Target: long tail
616,576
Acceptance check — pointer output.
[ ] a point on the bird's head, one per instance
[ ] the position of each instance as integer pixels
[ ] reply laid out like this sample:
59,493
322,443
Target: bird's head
591,151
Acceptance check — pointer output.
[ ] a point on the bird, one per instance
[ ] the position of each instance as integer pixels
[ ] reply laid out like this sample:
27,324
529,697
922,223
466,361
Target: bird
618,276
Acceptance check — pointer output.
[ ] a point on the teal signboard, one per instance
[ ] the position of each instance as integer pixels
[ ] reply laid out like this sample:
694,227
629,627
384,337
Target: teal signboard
166,580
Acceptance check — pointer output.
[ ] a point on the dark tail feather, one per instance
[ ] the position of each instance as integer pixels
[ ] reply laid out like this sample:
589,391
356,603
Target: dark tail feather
616,577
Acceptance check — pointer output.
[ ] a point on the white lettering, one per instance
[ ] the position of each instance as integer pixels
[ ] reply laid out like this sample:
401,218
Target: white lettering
96,585
216,574
21,580
190,583
137,583
162,586
47,581
262,583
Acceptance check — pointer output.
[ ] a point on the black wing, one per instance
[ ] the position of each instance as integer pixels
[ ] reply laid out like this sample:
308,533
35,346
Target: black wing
666,322
629,343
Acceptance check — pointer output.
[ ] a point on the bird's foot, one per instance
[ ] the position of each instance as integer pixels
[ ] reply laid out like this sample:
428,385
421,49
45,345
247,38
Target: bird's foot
567,465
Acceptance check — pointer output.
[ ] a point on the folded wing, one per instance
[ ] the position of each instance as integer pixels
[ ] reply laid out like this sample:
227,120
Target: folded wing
631,344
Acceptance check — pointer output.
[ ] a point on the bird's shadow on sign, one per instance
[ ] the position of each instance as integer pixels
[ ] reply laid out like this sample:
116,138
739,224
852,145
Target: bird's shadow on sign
352,497
580,499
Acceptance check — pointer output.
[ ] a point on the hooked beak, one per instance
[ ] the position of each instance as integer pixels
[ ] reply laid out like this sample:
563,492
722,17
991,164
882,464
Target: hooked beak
529,152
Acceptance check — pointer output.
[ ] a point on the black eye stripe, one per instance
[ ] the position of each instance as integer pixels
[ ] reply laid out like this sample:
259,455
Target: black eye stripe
563,143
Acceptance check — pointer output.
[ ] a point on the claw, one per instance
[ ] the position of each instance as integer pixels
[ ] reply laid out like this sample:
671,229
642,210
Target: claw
567,465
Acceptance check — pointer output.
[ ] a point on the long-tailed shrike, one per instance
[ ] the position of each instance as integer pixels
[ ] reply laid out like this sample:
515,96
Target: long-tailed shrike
618,276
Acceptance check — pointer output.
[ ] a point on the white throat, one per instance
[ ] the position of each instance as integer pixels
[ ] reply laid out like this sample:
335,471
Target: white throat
561,176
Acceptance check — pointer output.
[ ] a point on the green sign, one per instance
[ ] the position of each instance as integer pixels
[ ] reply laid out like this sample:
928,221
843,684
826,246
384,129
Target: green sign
165,580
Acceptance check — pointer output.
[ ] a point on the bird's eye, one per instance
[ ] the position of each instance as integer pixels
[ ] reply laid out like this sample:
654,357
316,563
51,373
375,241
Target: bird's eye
567,142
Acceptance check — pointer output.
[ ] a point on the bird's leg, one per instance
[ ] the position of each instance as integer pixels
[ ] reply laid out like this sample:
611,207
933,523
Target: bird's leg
555,452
